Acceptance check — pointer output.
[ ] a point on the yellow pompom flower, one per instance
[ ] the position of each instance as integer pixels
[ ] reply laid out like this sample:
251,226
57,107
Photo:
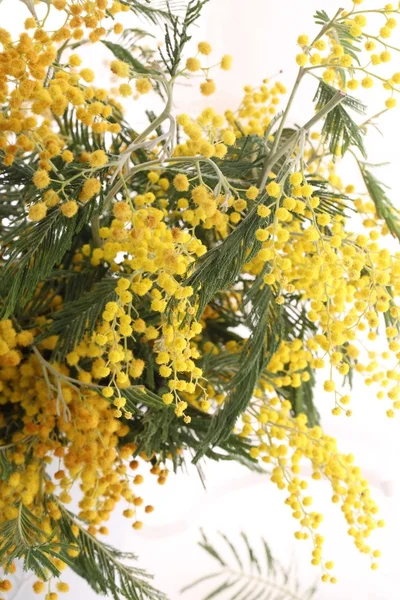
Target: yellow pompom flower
220,150
125,89
208,87
204,48
273,189
67,156
367,82
181,183
39,587
355,30
262,235
41,179
252,192
296,179
87,75
119,68
69,208
303,40
75,60
24,338
329,386
226,62
143,85
302,59
98,158
89,189
263,211
193,64
38,211
229,137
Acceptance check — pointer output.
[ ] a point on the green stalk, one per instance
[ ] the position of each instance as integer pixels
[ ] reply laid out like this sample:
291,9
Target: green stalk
268,165
337,99
157,163
95,225
159,120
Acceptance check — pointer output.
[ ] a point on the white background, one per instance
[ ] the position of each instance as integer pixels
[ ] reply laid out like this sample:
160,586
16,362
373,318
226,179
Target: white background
261,35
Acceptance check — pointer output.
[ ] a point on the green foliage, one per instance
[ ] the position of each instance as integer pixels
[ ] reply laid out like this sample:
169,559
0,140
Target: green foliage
245,575
102,566
222,265
132,37
32,251
339,128
138,395
331,202
245,158
377,192
6,467
69,284
155,429
340,31
39,266
177,36
296,324
154,11
301,399
22,538
125,55
79,317
15,187
80,137
265,326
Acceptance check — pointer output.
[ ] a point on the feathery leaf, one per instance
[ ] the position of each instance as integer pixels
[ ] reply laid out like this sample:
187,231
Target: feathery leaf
384,207
177,36
22,538
33,249
250,579
154,11
266,334
78,318
339,128
341,33
101,565
6,466
122,54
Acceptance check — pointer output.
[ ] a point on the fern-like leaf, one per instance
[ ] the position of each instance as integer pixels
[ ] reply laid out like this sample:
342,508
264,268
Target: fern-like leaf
244,574
339,128
125,55
222,265
138,395
79,317
384,207
22,538
266,333
155,11
103,567
6,466
177,36
341,33
33,249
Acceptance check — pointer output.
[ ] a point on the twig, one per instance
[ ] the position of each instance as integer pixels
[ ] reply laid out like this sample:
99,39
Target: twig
46,366
337,99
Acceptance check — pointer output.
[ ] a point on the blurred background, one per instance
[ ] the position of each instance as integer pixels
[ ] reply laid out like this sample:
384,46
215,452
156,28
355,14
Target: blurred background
261,35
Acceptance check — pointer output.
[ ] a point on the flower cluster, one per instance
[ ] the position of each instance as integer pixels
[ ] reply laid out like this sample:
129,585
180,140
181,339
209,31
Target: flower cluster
89,447
136,264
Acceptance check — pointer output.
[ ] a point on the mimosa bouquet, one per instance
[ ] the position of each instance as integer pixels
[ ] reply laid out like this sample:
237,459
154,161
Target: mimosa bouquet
169,294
